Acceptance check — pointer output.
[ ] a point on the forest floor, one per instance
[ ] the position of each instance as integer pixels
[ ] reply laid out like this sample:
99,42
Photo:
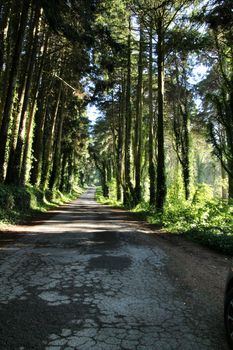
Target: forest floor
88,276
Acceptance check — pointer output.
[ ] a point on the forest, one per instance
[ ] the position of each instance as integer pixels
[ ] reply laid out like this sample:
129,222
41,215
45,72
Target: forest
159,74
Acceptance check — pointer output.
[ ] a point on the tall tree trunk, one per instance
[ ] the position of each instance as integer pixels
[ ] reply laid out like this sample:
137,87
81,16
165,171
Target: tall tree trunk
114,138
54,177
32,114
230,163
11,87
230,187
63,171
228,123
109,169
11,34
23,172
14,134
37,143
105,188
185,154
182,133
11,172
224,178
23,118
138,123
161,180
128,188
4,13
151,123
120,140
49,141
69,173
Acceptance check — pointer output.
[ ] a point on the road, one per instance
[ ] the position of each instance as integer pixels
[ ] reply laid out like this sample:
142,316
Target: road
93,277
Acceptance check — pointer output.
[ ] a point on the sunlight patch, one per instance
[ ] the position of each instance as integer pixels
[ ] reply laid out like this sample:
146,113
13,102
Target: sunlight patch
54,298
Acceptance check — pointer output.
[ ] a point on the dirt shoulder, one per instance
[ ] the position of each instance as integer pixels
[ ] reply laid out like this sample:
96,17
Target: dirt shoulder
191,265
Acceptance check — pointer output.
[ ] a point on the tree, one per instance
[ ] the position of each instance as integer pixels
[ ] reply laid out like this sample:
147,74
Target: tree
138,121
31,101
11,86
33,46
151,145
160,15
220,98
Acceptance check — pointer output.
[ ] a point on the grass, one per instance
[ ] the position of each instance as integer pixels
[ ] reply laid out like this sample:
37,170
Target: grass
209,223
204,219
107,201
17,204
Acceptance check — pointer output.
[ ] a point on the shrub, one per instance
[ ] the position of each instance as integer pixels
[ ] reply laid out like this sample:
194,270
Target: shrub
16,203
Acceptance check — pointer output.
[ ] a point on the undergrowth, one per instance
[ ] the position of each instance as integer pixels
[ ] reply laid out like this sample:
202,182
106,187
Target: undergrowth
203,219
111,200
20,203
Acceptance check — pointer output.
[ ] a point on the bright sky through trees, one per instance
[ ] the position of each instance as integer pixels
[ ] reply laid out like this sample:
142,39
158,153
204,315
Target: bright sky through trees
93,113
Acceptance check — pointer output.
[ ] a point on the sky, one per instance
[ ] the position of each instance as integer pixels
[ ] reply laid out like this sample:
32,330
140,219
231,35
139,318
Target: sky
198,73
93,113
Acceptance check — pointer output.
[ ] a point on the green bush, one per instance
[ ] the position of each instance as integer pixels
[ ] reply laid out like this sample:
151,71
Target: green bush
17,203
111,200
6,198
22,199
203,219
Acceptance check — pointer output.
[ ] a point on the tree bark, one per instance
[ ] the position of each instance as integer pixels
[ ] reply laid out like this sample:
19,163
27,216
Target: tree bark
54,177
23,118
152,175
138,123
128,188
229,133
120,140
230,187
185,155
37,143
69,173
48,144
11,87
161,179
5,12
63,171
12,31
224,178
32,115
14,134
105,188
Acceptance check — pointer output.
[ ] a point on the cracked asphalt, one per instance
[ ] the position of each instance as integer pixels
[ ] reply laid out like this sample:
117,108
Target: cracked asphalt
92,278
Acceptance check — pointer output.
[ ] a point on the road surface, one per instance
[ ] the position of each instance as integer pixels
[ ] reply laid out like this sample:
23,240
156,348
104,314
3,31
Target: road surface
93,278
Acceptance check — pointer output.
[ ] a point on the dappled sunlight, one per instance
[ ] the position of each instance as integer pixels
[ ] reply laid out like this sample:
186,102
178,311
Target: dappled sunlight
8,249
77,227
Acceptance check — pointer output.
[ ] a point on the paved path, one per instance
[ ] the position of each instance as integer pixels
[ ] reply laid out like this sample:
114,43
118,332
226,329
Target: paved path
89,279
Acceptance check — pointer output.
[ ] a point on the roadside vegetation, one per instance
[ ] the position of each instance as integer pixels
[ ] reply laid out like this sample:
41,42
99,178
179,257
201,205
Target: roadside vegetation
205,220
19,204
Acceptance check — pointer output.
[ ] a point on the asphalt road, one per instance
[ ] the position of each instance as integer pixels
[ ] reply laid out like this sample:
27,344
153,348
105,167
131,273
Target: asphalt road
91,278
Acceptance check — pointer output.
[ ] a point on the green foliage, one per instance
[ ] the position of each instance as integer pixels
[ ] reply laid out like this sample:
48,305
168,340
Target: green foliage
19,203
112,195
205,219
